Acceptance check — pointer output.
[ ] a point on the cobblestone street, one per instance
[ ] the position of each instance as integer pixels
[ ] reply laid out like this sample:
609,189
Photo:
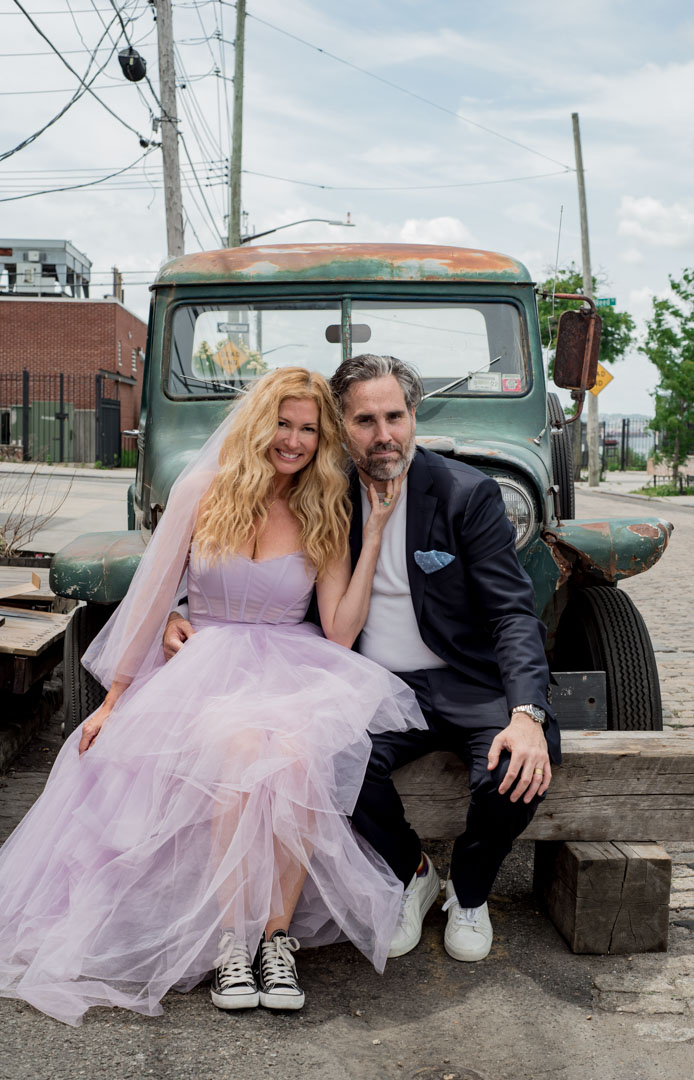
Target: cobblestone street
532,1009
664,596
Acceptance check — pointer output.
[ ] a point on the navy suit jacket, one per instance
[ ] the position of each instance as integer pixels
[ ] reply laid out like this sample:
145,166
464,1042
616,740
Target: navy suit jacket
477,613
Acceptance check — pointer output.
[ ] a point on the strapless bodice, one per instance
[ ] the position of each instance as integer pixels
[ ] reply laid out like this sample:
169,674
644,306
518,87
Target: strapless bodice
238,589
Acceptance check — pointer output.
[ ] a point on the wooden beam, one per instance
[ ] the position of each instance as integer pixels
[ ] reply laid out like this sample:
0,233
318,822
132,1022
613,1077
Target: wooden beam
606,897
635,786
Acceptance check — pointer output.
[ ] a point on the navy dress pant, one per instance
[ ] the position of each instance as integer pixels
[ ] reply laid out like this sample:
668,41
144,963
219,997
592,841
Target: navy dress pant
493,821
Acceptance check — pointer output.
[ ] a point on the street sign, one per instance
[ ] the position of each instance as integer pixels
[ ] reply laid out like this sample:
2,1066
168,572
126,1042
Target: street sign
602,378
605,301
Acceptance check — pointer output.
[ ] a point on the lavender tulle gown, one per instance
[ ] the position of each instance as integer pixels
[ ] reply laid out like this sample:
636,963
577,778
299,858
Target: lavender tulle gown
240,756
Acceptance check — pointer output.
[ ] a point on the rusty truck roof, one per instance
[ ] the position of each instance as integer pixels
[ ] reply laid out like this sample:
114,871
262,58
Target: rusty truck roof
341,262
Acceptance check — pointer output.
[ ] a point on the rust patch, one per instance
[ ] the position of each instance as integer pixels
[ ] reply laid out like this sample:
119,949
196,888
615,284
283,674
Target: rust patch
597,526
646,530
406,262
564,563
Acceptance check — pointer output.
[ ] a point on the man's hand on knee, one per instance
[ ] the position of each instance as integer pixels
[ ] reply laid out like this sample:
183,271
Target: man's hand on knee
529,768
176,633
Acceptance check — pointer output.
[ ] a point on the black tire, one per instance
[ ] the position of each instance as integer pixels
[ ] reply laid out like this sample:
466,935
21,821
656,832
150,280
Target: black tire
562,459
82,693
602,630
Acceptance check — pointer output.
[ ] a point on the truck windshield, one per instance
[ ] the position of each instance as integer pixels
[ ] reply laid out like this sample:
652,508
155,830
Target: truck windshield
217,350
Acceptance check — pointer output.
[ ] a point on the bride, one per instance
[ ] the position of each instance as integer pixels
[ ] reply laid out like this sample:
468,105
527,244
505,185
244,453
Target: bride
200,813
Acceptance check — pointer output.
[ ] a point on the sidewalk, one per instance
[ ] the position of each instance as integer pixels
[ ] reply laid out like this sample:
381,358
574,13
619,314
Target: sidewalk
96,500
623,484
77,471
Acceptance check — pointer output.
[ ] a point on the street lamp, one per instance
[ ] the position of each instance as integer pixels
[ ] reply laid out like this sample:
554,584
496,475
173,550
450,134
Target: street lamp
328,221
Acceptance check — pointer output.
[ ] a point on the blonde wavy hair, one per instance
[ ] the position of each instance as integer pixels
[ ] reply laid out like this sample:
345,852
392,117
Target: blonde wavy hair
235,508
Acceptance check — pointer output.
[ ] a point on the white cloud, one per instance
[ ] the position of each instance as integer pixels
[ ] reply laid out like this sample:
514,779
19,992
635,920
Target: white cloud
633,256
440,230
651,220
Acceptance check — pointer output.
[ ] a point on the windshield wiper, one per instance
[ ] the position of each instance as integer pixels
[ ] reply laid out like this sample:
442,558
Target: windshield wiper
456,382
216,384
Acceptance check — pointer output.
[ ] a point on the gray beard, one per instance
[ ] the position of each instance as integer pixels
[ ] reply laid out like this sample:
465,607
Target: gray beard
387,470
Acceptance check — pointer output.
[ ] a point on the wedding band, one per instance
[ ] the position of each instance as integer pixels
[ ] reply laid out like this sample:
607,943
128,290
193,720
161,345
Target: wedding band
538,772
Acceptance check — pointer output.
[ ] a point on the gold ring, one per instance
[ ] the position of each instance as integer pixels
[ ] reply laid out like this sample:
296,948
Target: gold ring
538,772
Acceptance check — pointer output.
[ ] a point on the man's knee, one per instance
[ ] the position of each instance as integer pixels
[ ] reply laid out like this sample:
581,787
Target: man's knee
484,789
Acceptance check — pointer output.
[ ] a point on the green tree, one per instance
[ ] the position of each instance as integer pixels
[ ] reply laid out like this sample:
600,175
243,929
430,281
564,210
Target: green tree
670,346
618,327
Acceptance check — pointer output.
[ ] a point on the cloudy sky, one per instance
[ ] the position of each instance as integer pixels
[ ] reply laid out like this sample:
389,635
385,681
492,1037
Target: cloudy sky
472,145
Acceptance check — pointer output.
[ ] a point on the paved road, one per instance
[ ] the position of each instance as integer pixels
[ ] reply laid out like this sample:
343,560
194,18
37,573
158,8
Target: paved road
531,1010
83,501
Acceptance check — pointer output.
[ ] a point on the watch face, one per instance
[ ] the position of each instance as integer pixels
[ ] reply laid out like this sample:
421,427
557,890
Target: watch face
532,710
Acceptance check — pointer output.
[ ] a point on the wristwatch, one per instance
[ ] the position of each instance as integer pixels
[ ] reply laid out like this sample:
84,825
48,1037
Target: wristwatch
532,710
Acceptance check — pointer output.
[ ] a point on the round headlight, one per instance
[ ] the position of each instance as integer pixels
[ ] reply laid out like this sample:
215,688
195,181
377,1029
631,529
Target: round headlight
520,508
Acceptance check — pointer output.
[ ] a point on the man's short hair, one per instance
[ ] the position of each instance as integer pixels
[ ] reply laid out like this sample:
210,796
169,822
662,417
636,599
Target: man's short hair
358,369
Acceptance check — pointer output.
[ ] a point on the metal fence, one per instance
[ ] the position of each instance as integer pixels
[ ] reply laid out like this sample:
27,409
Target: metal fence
59,418
625,443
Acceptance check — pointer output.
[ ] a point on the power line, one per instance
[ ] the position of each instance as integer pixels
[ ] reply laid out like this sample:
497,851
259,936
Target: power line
410,187
81,90
77,76
88,183
401,89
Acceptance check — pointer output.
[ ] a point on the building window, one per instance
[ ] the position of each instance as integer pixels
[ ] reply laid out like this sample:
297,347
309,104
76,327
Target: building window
134,361
120,355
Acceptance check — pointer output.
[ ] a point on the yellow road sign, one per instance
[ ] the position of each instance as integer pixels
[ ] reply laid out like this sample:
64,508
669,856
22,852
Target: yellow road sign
602,379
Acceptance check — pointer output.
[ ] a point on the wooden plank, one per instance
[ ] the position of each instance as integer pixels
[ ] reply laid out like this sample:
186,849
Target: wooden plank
28,633
606,897
11,576
612,785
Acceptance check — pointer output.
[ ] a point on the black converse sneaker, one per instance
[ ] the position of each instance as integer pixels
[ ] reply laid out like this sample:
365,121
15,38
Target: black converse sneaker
275,971
233,984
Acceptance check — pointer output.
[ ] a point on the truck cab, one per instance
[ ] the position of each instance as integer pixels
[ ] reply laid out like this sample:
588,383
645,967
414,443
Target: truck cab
467,320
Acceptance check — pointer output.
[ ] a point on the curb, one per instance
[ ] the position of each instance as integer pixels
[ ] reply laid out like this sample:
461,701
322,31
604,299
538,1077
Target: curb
675,501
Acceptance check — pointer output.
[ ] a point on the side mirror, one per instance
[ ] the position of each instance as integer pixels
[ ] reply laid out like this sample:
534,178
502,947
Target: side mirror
578,346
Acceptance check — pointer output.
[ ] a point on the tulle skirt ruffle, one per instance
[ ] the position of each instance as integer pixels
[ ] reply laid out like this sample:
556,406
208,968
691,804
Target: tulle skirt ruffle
210,784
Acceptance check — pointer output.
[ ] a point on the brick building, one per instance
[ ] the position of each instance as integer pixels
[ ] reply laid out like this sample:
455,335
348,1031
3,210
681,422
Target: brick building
76,337
71,367
70,378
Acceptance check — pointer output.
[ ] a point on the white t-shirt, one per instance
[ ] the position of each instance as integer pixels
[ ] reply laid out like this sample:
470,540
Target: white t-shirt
391,636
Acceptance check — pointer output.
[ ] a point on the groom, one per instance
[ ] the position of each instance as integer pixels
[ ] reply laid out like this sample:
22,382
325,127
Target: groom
452,614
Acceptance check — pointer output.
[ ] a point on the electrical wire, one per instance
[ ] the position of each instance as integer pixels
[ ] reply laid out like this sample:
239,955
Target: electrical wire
81,90
411,187
208,145
197,181
396,86
174,121
88,183
77,76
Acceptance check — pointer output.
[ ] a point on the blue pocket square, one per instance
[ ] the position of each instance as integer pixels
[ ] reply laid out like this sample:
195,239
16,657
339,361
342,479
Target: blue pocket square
431,561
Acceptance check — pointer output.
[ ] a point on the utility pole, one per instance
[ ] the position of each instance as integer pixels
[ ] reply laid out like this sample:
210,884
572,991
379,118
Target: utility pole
593,440
173,202
237,132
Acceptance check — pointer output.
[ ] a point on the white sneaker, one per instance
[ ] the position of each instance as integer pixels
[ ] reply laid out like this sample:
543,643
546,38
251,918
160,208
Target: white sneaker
468,934
418,897
233,984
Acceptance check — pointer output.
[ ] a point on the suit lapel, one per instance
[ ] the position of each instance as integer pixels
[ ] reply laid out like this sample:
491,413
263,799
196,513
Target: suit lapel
421,507
356,526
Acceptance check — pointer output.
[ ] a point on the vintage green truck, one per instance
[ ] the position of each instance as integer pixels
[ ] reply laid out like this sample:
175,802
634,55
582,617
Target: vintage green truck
467,319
